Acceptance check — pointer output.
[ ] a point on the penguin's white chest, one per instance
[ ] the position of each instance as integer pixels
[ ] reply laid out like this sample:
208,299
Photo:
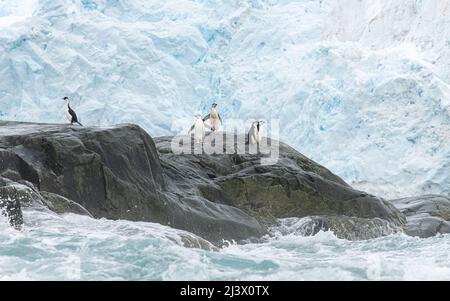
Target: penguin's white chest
199,131
66,110
254,135
215,121
214,114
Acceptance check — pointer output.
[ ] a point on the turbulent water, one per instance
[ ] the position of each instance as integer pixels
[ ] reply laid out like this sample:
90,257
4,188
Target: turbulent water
72,247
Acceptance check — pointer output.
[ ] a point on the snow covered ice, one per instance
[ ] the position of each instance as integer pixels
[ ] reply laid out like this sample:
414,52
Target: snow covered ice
362,87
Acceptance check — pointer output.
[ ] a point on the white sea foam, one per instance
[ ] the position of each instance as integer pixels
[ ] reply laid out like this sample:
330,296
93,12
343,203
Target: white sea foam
72,247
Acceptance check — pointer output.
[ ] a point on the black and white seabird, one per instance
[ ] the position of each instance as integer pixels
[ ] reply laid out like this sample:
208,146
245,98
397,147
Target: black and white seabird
254,135
215,118
71,115
198,129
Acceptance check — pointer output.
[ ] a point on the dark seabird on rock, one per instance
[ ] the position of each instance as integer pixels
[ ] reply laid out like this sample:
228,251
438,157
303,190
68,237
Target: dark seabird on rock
71,115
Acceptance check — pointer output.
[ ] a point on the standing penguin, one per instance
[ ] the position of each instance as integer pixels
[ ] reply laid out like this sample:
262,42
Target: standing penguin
199,130
254,135
71,115
215,118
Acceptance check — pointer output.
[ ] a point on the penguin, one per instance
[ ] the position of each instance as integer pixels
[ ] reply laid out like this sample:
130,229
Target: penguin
215,118
71,115
199,130
254,135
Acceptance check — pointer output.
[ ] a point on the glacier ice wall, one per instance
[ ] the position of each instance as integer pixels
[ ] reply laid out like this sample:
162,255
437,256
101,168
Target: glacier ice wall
361,86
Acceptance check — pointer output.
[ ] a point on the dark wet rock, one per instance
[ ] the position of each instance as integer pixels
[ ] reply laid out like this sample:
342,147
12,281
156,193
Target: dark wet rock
10,208
119,172
97,168
10,203
190,241
350,228
60,204
293,187
114,173
427,215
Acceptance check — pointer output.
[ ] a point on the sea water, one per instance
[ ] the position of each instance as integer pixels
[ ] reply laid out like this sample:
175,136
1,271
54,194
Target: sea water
73,247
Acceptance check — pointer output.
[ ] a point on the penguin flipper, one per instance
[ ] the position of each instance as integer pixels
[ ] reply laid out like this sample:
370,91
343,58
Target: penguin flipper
192,128
220,118
207,117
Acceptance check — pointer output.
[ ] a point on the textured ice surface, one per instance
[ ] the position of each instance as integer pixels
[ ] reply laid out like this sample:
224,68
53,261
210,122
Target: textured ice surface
362,87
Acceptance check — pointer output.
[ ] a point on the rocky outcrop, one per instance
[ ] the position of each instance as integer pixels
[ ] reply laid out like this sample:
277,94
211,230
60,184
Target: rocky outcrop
12,197
60,204
294,186
120,172
112,172
349,228
96,168
10,207
427,215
